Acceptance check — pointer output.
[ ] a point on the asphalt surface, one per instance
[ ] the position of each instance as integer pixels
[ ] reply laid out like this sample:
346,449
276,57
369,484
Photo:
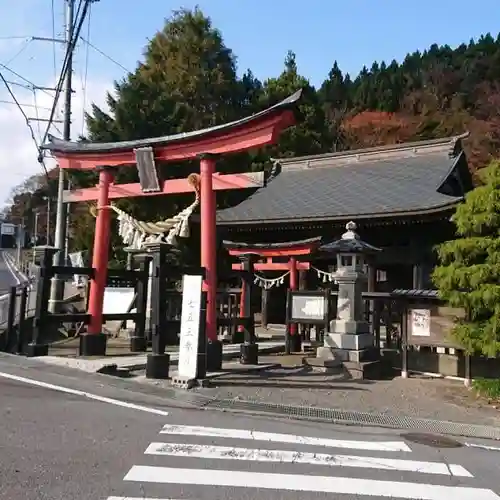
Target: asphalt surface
7,277
117,438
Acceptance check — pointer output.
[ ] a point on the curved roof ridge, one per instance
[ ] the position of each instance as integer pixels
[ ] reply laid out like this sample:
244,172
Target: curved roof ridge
451,145
56,144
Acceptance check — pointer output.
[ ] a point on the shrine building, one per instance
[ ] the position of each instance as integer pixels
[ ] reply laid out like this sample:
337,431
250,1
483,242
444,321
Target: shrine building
400,196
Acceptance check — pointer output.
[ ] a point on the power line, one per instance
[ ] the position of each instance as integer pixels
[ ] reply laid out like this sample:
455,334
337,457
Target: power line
30,83
24,105
76,28
54,36
84,82
20,51
12,95
104,54
37,114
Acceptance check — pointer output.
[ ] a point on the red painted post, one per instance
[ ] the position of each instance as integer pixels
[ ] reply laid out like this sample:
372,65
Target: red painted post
100,253
209,241
294,285
243,313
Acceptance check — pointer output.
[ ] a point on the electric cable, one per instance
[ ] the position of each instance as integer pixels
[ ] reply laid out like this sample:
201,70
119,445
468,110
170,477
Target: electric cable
54,37
20,51
70,48
30,83
12,95
99,51
84,82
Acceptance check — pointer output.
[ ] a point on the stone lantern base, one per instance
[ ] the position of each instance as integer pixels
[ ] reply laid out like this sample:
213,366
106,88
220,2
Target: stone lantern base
349,342
352,354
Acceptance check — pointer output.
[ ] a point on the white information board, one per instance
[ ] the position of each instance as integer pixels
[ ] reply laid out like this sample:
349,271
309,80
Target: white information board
308,307
8,229
190,326
420,322
117,300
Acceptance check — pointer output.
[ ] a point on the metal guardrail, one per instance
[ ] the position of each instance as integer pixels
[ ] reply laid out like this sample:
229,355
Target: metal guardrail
5,303
30,281
4,309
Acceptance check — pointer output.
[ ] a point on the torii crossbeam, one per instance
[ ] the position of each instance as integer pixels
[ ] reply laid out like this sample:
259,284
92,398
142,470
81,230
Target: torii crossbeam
256,131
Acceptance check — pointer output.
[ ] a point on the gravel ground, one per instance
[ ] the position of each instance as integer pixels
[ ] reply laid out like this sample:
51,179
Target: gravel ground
417,397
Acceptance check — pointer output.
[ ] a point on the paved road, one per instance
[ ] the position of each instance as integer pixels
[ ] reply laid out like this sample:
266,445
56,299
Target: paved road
7,277
93,437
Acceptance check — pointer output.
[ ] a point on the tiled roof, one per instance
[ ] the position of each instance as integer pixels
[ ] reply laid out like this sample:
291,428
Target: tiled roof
388,181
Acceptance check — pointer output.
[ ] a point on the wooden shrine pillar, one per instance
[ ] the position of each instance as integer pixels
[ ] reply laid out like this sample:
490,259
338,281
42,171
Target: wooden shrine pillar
209,242
243,300
303,330
294,285
93,343
264,307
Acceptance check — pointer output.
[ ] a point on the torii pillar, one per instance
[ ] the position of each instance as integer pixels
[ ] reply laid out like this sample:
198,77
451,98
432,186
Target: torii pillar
253,132
208,213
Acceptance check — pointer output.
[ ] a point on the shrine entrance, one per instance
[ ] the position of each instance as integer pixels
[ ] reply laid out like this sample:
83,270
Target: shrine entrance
290,258
253,132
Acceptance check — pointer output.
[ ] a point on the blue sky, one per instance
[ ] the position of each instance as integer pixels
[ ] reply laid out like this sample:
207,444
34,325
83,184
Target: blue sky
259,32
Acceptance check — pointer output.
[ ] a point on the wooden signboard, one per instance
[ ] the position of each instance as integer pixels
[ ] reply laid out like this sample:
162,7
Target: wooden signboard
431,325
307,307
420,322
190,326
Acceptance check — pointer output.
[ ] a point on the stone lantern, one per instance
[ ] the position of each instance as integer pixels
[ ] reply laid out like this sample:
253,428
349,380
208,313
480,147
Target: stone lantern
349,339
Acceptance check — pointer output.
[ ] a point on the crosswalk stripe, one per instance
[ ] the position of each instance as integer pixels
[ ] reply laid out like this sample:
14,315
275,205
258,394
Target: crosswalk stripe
295,482
138,498
188,430
297,457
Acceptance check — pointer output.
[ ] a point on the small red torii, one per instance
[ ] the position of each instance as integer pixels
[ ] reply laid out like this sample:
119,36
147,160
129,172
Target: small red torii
248,133
270,251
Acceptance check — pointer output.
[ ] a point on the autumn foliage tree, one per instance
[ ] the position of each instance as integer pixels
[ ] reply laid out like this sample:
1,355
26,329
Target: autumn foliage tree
188,79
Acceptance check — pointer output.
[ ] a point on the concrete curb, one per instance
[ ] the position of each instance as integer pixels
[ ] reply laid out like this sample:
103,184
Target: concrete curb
137,362
340,416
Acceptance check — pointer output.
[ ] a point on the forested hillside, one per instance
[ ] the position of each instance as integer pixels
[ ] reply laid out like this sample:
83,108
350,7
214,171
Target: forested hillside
188,80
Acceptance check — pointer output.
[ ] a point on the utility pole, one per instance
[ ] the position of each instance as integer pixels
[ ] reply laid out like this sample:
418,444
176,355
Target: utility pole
20,241
49,216
35,236
57,288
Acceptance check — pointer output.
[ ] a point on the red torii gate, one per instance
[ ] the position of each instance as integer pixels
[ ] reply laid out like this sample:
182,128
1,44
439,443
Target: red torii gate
252,132
271,252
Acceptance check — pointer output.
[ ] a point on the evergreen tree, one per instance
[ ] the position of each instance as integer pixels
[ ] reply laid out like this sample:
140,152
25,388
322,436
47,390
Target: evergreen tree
187,81
310,135
469,273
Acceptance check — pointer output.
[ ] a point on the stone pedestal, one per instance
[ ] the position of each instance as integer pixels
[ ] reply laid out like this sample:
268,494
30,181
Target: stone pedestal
349,340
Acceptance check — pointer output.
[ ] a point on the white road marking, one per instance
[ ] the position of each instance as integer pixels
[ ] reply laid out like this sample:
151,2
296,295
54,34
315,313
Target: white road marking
483,447
296,457
10,268
295,482
139,498
188,430
84,394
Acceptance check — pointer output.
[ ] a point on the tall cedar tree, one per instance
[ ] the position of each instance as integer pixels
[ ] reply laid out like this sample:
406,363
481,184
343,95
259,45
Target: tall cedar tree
469,273
188,80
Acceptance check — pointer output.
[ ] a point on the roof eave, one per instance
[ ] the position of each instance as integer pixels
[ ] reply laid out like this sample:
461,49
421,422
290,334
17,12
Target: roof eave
58,145
452,142
402,213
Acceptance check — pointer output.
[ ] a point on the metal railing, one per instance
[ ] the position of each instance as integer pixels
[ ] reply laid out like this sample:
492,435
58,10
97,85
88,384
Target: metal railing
16,309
